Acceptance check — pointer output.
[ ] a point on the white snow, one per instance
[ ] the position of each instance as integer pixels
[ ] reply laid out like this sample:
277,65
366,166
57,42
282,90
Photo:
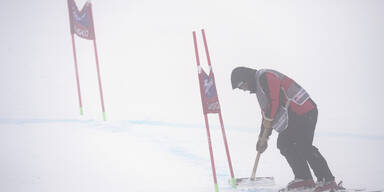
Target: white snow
88,155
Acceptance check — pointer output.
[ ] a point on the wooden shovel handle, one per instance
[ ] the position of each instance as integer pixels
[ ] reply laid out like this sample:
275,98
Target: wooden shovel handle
255,166
258,156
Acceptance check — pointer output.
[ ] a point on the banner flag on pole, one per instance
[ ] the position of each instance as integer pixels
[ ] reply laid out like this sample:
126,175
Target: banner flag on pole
81,21
210,99
81,24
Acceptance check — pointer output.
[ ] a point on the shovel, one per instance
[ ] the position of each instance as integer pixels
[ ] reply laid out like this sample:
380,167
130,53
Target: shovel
253,180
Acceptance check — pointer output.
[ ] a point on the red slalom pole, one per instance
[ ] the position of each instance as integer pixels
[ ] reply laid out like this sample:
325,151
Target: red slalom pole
206,48
227,151
77,74
220,116
211,153
99,80
206,118
98,71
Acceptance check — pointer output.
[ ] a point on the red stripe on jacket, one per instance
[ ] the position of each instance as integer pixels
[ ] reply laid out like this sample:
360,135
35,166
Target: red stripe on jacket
274,84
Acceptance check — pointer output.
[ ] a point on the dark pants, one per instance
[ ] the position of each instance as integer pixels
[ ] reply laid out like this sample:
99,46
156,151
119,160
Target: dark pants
295,144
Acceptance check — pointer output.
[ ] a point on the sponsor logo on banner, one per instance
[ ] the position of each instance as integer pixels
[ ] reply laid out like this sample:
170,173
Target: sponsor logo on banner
210,100
81,21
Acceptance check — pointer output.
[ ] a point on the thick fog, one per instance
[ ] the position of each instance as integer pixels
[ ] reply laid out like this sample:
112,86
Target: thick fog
334,49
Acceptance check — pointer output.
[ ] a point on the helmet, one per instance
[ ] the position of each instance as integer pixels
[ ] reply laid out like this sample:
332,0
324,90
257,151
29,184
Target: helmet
242,74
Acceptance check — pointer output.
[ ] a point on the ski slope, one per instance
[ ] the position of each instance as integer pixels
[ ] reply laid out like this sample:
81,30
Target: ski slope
61,155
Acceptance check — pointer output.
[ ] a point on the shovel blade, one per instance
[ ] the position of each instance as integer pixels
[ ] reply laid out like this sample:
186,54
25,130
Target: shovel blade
255,182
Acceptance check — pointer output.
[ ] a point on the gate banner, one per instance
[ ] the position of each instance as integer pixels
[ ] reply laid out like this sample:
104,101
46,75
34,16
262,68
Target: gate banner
210,99
81,21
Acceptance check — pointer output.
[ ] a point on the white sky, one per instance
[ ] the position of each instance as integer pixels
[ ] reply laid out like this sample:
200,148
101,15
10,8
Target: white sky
334,49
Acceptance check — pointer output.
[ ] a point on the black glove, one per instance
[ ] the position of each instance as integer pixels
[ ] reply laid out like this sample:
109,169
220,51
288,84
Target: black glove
261,145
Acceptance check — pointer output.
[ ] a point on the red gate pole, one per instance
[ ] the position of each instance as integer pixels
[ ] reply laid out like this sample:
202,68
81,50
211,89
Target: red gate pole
98,72
220,116
211,153
77,74
227,150
206,117
99,80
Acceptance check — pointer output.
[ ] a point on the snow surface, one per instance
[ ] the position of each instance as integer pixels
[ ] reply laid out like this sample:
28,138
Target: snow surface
39,155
